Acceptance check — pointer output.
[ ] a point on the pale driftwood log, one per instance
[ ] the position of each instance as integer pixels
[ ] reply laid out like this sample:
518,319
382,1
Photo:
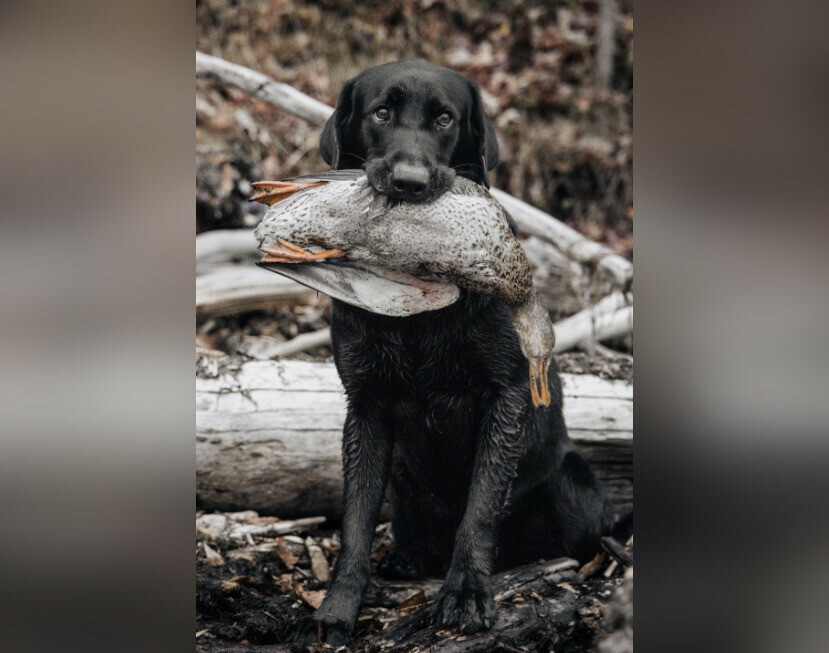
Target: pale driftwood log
535,222
268,435
607,318
231,289
240,531
302,342
263,87
228,282
530,220
225,246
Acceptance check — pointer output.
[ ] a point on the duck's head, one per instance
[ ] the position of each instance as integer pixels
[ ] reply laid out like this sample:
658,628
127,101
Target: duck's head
536,339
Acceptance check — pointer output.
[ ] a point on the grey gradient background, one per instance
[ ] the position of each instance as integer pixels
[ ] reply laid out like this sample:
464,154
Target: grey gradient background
96,345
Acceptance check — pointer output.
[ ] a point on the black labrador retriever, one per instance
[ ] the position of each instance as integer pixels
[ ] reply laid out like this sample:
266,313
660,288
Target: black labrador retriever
438,403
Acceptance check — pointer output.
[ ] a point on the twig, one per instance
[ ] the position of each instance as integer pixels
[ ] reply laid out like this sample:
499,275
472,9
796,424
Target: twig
617,551
279,528
263,87
319,563
302,342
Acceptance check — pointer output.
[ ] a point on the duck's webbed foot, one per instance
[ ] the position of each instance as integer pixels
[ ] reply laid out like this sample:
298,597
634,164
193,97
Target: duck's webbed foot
285,252
271,192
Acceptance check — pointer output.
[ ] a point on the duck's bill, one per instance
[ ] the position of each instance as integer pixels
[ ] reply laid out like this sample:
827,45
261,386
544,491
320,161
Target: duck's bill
373,289
539,386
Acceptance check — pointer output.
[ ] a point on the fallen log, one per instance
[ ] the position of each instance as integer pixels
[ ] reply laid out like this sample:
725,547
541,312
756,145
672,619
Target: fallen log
268,435
231,289
610,317
302,342
222,247
535,222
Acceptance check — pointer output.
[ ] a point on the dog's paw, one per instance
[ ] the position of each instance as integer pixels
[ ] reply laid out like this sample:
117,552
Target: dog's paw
400,564
327,630
470,608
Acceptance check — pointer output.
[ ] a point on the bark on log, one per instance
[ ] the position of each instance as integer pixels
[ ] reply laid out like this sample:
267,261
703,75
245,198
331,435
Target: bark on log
268,435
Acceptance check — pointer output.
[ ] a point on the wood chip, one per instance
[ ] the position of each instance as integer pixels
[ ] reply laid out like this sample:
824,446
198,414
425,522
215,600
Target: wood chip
211,526
242,516
284,553
211,556
594,565
319,563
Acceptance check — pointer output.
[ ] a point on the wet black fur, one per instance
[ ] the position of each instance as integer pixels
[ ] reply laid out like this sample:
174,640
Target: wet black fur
439,403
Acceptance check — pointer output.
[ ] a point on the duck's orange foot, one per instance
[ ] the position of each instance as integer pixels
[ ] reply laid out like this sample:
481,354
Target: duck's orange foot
270,192
285,252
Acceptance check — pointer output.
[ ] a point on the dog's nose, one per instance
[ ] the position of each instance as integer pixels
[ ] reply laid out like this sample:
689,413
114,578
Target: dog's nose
409,179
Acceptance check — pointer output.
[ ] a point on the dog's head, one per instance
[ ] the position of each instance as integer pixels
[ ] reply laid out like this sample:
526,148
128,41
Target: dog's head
412,126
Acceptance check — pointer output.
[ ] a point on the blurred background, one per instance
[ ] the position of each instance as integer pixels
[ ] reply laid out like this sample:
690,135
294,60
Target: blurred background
97,465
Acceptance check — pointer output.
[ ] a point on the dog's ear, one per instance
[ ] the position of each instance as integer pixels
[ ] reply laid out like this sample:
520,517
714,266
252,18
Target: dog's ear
331,140
479,145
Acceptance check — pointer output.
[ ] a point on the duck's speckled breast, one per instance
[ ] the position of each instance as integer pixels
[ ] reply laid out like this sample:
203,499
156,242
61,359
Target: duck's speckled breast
463,235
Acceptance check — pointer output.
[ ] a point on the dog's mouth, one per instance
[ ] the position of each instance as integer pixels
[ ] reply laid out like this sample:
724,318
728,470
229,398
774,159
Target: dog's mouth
404,182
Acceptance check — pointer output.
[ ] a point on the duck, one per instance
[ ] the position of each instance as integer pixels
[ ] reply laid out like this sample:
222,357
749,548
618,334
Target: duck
462,239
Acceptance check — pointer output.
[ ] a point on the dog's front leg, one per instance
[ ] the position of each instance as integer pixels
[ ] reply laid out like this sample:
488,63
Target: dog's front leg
367,447
465,600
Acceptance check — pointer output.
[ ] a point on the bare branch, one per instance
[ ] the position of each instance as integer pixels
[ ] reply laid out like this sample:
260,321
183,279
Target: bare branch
263,87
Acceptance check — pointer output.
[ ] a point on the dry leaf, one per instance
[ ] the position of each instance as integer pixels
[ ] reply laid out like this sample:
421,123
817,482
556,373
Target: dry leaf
415,600
311,597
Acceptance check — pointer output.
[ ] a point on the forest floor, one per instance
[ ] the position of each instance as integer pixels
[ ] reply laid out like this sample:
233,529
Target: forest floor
252,590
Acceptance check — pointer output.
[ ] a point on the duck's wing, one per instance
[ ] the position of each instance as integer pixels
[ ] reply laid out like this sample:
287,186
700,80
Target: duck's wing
374,289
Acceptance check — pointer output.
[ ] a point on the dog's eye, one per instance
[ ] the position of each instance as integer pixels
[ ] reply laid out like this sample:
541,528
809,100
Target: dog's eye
444,119
382,114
